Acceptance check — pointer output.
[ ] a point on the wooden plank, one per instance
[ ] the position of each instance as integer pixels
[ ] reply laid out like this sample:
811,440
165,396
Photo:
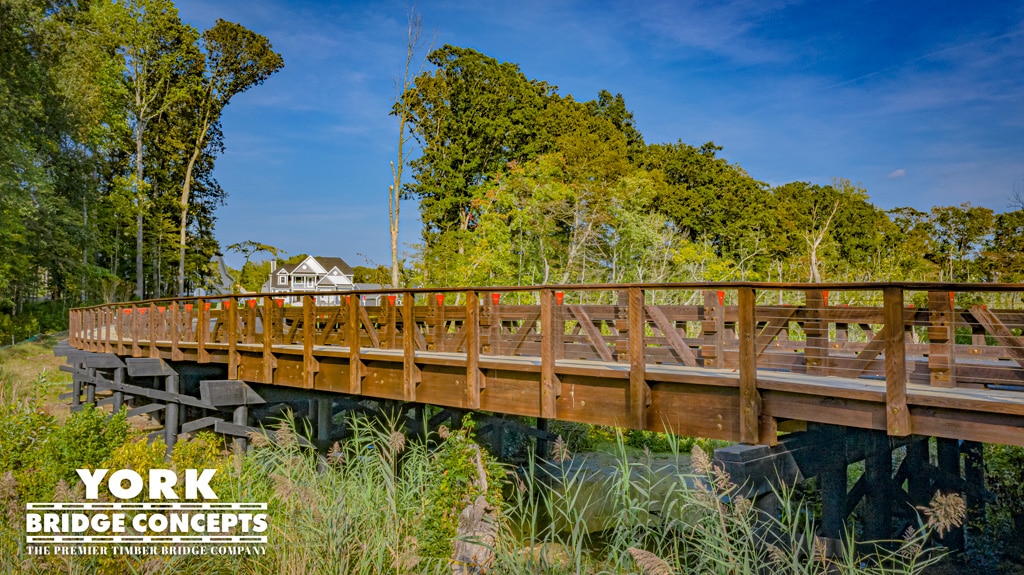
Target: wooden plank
1013,345
639,393
593,333
529,324
410,371
941,339
474,377
672,335
896,412
310,366
228,306
860,365
371,331
356,369
550,334
777,324
750,399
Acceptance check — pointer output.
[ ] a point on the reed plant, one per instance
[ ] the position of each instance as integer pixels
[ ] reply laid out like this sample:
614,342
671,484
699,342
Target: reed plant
382,503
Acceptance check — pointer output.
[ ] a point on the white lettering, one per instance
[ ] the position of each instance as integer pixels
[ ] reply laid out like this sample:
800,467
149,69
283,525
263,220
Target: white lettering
117,479
91,481
196,483
161,483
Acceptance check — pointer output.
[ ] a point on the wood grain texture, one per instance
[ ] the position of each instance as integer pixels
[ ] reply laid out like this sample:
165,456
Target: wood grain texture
897,415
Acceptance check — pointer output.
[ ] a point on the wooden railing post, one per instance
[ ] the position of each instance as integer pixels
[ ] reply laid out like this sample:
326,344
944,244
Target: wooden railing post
550,335
153,352
228,307
897,415
941,339
136,316
622,326
269,329
355,364
310,366
474,377
639,392
106,330
410,371
202,331
121,326
816,350
90,322
750,398
439,322
713,326
176,354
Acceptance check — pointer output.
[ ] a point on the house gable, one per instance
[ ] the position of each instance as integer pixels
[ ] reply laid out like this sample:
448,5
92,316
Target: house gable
309,266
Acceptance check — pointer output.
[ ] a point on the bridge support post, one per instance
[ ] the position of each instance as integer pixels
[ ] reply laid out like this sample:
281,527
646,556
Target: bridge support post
241,417
118,395
90,388
543,448
918,464
171,415
974,476
832,483
325,419
948,459
878,480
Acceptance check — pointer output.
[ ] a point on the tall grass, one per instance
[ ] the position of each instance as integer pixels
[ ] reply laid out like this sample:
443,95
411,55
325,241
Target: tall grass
381,503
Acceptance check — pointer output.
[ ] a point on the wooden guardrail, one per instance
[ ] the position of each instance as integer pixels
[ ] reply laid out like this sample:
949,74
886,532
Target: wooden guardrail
960,336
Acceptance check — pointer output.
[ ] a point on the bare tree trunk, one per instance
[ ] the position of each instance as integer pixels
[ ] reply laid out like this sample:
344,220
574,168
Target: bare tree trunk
414,34
140,281
186,190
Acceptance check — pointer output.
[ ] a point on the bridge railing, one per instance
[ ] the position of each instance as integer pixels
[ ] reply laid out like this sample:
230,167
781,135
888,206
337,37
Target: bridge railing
941,335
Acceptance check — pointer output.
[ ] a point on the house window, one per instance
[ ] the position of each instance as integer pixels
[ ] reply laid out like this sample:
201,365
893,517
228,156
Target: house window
282,280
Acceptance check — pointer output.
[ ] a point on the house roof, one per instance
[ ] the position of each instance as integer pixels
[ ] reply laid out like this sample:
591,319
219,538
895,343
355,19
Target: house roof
339,263
335,280
287,268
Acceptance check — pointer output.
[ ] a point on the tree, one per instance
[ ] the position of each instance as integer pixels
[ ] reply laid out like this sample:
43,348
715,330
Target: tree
959,234
236,59
157,50
249,248
413,42
471,117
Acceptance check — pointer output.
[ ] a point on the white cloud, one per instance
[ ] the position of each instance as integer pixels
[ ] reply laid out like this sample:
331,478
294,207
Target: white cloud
897,174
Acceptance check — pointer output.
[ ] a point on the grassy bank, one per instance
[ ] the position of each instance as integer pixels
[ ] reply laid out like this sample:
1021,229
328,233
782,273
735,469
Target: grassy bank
383,502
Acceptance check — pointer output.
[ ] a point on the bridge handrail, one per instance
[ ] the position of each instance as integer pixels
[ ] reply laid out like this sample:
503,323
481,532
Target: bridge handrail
631,330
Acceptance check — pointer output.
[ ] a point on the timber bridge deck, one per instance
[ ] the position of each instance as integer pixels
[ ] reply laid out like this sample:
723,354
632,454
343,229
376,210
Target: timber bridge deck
735,361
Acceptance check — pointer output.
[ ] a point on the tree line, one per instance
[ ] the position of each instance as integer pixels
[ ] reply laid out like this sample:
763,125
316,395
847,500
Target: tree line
518,184
109,132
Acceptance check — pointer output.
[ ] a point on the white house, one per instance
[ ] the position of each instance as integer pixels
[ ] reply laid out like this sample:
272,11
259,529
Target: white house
319,274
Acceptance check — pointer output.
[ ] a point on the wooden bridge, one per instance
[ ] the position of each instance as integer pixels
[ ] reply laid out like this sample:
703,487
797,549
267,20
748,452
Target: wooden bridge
736,361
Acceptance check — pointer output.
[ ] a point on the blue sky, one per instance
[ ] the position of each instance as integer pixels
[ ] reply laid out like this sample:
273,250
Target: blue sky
920,102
